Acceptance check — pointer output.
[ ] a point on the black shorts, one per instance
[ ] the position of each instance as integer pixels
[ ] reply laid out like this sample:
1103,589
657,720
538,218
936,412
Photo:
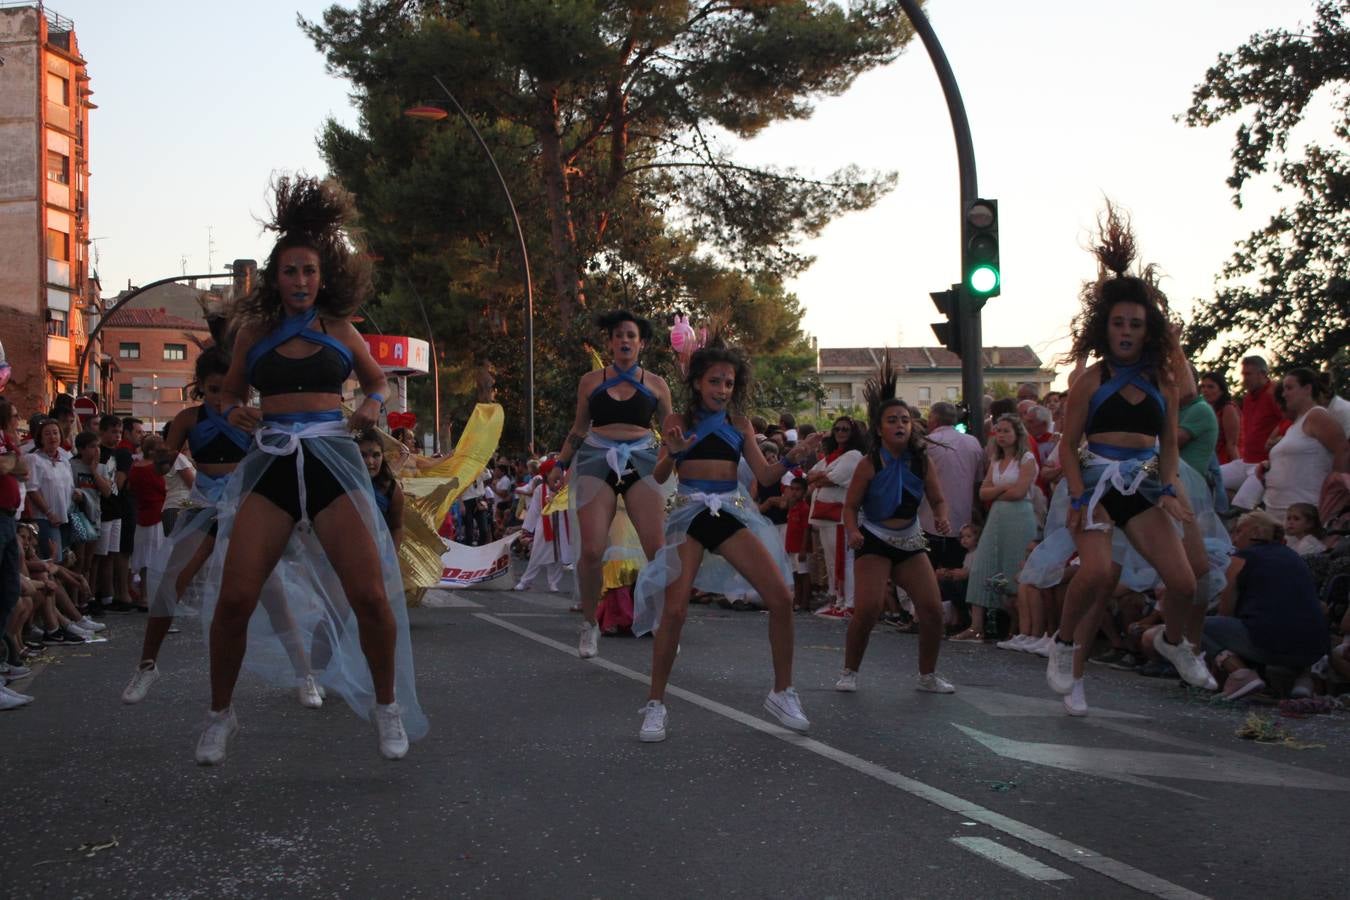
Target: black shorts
711,531
619,485
1123,507
279,484
875,546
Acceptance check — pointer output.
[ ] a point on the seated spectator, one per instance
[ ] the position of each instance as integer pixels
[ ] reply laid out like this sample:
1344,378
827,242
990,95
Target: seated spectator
1269,613
1303,530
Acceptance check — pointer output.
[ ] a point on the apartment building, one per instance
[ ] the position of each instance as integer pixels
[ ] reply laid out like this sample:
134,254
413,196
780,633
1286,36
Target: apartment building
925,375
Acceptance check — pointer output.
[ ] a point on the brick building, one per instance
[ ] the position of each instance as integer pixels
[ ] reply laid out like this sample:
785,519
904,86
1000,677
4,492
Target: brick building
152,354
46,285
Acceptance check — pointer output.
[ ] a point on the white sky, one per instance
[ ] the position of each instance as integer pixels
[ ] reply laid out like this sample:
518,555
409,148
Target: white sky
1069,100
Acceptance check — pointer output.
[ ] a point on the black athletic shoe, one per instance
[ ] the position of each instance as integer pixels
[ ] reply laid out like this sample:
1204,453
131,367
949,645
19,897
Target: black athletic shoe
117,606
54,637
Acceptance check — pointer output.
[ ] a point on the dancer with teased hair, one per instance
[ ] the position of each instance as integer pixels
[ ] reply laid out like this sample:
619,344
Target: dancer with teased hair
300,507
888,544
716,539
1127,477
611,453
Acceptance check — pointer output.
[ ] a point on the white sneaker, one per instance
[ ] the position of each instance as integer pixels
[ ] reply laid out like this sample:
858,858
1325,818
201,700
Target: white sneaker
1016,642
653,727
89,624
1075,702
848,682
521,586
786,706
10,672
139,685
1190,667
311,696
1040,646
393,738
933,683
589,643
79,629
220,727
13,699
1059,668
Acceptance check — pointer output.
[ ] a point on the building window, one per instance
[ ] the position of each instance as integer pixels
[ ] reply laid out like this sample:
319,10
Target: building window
175,351
58,322
129,350
952,394
58,89
124,391
58,167
925,395
58,245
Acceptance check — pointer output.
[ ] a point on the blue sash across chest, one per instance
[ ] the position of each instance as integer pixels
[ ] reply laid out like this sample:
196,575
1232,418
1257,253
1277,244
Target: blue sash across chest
214,426
710,424
1132,375
624,375
887,490
293,327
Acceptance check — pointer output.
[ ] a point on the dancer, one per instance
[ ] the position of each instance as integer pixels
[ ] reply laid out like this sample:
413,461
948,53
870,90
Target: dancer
888,543
388,492
1126,405
614,451
551,548
300,508
217,447
714,513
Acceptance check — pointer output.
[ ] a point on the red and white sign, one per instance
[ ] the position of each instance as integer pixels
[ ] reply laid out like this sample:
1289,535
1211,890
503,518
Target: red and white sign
399,355
85,409
462,565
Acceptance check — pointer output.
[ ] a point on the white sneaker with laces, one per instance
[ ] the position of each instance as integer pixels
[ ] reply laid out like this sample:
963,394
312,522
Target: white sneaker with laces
10,672
1040,646
310,695
139,685
1059,668
1191,668
220,727
786,707
1016,642
1075,702
89,624
589,643
79,629
653,728
848,682
393,737
933,683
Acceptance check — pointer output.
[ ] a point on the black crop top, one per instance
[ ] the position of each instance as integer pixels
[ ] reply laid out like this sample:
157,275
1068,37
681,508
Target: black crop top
219,449
636,410
1115,413
713,447
319,373
909,504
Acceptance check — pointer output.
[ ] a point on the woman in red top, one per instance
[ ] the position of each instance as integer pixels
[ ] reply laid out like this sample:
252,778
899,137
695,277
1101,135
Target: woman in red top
146,482
1215,390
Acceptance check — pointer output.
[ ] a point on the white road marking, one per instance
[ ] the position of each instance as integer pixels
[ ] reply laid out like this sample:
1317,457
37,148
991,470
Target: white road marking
1010,859
443,599
1078,855
1135,766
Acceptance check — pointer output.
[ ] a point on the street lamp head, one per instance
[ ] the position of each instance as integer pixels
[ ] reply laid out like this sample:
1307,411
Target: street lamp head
430,113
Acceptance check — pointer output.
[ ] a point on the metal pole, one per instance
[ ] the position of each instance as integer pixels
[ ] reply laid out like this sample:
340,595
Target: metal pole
131,295
972,362
435,364
525,259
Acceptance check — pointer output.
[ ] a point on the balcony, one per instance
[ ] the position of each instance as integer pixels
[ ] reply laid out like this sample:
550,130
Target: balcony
58,273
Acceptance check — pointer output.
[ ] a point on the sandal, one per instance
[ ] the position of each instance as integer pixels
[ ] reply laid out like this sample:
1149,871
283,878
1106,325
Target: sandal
969,634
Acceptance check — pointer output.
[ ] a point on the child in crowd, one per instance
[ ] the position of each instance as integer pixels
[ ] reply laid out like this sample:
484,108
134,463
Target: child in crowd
1303,530
797,542
93,481
148,490
952,582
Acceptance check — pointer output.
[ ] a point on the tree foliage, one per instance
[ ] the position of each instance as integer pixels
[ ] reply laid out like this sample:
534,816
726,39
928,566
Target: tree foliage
612,124
1287,284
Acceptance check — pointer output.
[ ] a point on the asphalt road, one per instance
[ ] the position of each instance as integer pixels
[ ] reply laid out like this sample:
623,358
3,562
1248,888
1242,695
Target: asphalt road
532,782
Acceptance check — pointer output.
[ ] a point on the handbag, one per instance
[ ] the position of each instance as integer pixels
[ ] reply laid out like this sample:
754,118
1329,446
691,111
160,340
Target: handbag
81,529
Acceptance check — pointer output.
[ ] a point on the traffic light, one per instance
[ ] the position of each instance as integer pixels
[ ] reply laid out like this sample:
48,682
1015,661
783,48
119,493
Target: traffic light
979,250
948,303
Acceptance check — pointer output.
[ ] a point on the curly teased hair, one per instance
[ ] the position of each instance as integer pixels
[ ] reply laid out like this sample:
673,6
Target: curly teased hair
1115,252
614,318
315,215
213,360
705,358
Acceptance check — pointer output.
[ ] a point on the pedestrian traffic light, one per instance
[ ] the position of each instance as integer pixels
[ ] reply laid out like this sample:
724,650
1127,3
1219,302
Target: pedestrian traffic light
948,303
979,250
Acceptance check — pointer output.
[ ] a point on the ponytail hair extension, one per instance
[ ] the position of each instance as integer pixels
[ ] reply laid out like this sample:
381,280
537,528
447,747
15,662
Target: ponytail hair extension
1116,251
318,216
879,392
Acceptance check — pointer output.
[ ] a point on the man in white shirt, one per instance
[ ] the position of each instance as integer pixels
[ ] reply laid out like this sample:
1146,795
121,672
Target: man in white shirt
960,462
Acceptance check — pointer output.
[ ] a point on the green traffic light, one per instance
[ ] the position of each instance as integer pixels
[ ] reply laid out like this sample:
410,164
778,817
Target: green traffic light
983,279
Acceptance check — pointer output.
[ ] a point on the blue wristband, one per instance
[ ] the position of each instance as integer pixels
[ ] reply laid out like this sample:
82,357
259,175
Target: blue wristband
1081,501
1169,490
376,396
